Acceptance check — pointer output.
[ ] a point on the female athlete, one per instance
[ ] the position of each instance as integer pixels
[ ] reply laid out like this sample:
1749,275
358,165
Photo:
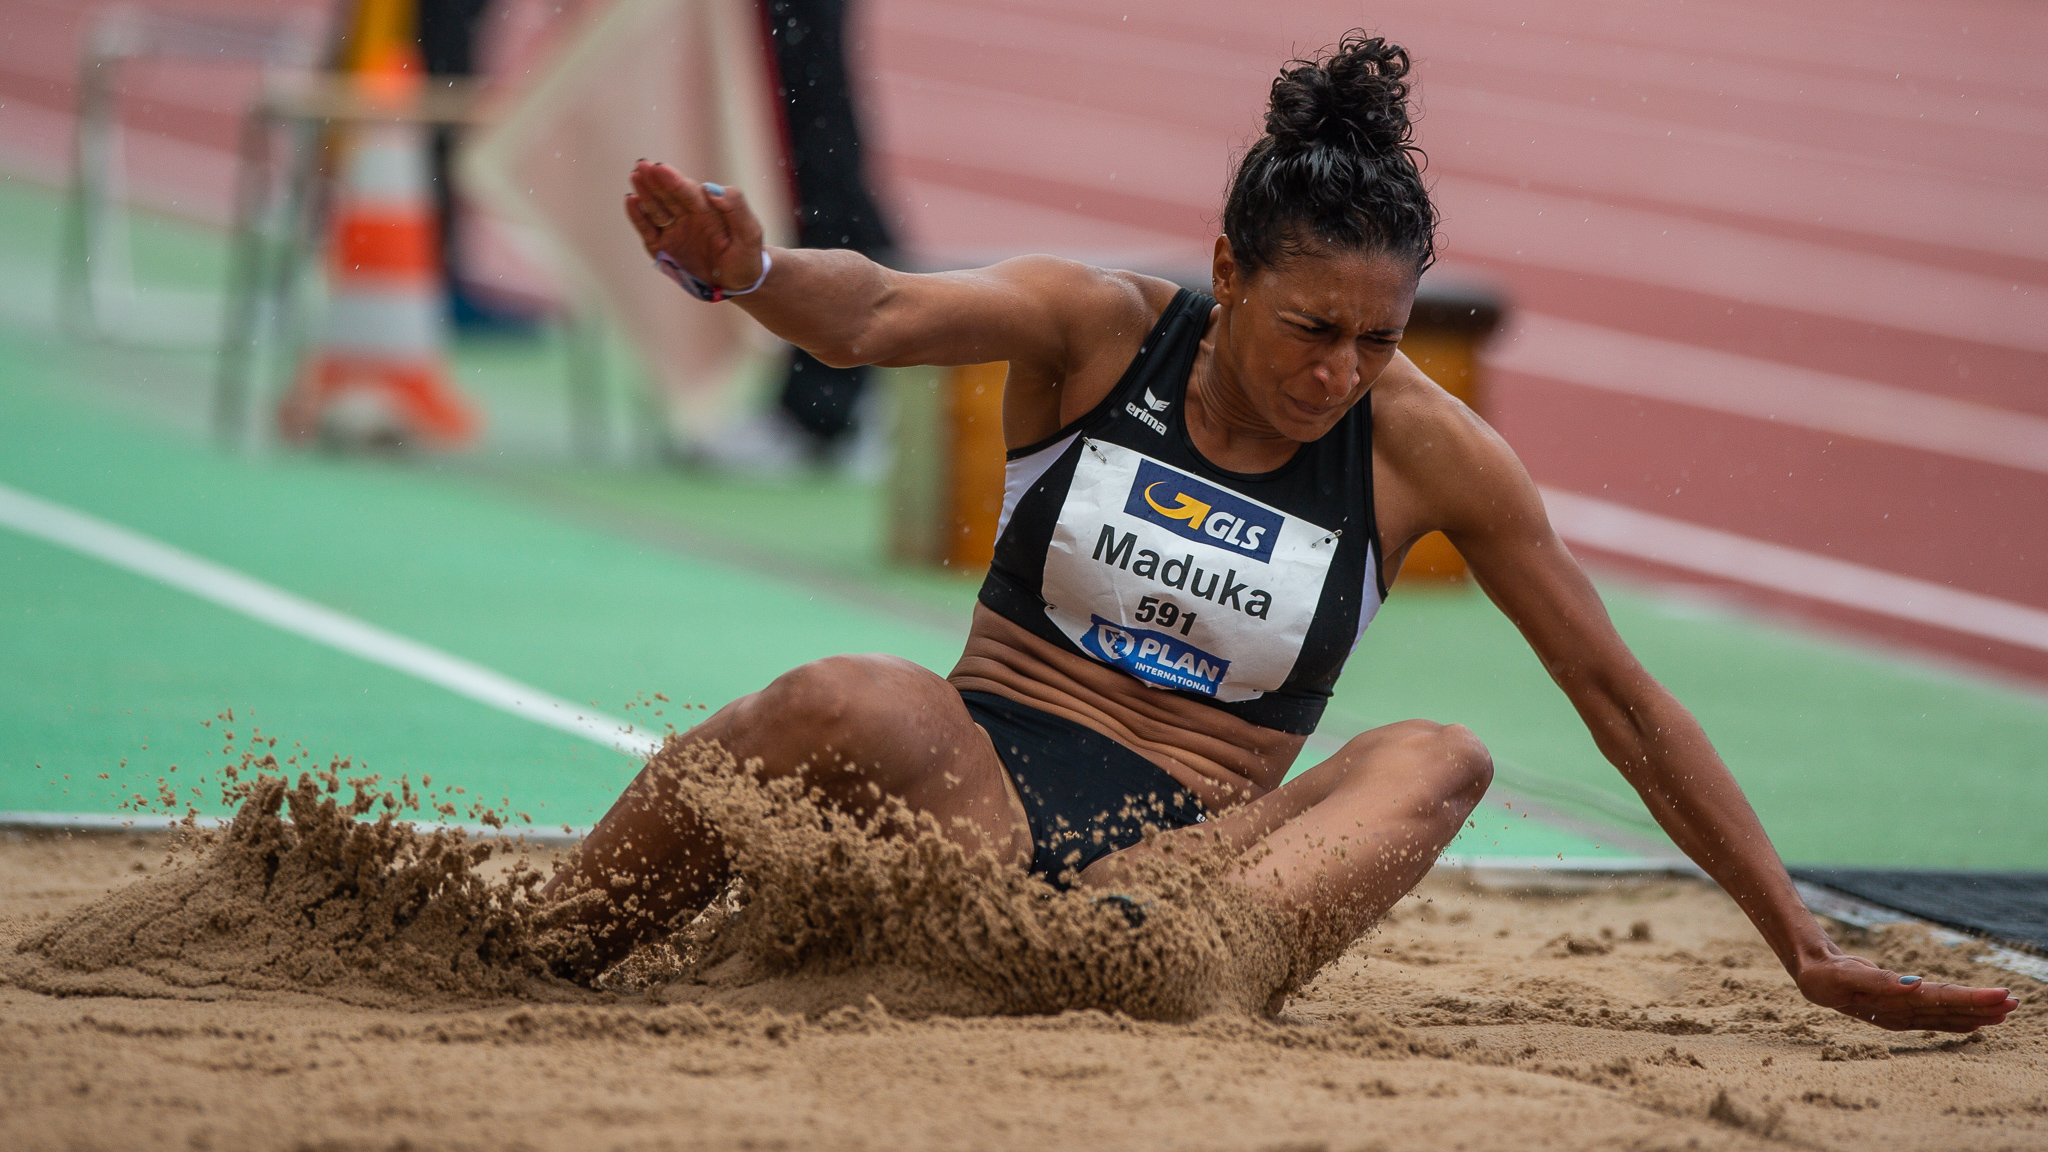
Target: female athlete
1204,497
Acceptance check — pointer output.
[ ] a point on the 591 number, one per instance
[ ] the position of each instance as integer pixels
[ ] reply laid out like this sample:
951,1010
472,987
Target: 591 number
1166,613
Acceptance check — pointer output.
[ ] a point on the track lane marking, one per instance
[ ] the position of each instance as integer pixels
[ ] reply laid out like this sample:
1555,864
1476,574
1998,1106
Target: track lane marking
91,536
1646,536
1615,361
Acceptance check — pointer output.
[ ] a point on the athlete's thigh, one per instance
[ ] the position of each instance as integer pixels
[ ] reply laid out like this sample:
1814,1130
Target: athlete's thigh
1245,827
897,728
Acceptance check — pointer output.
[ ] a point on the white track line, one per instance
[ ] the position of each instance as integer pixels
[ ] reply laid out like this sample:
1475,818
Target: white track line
1615,361
275,606
1646,536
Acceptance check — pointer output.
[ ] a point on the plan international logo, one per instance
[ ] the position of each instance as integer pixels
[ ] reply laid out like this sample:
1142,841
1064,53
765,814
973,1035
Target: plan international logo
1187,507
1158,657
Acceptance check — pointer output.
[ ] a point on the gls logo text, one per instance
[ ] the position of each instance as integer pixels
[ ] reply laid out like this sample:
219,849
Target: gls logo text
1200,512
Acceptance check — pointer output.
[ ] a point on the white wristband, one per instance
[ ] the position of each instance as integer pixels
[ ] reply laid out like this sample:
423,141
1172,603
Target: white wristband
709,293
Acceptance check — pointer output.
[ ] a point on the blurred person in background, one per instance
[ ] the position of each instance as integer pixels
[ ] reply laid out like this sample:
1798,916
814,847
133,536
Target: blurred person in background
814,418
448,33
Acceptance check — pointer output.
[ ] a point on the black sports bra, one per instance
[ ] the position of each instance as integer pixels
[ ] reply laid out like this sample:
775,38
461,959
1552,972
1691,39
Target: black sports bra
1245,591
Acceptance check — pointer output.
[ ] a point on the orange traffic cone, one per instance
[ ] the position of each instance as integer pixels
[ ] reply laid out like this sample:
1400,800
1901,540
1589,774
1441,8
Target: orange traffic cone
378,371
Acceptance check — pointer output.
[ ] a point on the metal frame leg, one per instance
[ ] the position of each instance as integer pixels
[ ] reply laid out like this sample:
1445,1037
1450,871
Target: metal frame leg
242,317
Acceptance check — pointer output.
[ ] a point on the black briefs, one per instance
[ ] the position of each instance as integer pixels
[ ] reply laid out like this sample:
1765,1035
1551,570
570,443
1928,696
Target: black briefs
1085,795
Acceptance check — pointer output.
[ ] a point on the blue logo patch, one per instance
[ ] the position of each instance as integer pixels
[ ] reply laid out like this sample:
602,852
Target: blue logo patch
1158,657
1203,513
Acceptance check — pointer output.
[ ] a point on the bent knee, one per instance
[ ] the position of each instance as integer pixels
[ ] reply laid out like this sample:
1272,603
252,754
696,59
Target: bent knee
841,705
1454,750
1472,763
822,693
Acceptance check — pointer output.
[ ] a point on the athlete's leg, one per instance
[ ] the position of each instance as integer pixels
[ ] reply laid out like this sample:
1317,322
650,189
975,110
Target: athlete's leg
845,724
1342,842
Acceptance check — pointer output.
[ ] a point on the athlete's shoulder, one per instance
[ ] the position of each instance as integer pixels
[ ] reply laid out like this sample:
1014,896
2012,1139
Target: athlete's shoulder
1441,451
1421,428
1415,411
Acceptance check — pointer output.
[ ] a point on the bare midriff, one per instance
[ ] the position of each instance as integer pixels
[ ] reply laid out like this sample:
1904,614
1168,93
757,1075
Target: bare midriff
1222,759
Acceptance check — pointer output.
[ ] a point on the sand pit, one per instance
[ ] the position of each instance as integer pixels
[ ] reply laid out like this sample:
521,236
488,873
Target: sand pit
1629,1015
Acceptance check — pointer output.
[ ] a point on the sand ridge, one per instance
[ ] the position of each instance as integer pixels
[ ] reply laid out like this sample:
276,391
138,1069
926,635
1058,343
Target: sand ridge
300,892
1462,1023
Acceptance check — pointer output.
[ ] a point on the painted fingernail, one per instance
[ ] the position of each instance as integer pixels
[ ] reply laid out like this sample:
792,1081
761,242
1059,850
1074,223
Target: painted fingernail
713,190
1909,979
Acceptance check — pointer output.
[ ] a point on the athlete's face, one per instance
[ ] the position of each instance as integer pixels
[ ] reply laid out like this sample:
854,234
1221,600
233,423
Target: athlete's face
1306,338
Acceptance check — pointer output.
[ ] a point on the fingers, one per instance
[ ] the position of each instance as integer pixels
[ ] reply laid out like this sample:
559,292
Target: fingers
1856,987
650,236
1926,1021
665,195
1962,996
658,199
740,222
1933,1007
731,203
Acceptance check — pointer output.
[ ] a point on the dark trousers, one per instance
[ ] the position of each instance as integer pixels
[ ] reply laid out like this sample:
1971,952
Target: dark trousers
834,207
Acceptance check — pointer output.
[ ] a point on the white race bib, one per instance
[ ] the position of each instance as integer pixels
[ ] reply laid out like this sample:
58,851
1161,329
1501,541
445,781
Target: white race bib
1178,582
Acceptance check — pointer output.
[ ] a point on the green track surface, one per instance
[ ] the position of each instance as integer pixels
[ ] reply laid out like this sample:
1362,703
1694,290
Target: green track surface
105,661
604,584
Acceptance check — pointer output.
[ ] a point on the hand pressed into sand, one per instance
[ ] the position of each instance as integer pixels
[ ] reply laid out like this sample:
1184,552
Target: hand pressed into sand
1856,987
707,229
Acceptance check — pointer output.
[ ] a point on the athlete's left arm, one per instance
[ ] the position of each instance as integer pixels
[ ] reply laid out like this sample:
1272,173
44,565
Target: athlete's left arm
1488,506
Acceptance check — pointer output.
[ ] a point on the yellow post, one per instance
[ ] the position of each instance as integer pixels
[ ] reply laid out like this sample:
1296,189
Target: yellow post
383,38
974,395
1445,333
945,484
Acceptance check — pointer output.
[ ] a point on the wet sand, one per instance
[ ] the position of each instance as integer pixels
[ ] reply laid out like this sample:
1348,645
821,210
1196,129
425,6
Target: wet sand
1477,1017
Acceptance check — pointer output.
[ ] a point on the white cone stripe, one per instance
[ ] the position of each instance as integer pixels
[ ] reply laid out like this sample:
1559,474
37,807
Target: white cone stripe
1646,536
272,605
384,322
388,164
1616,361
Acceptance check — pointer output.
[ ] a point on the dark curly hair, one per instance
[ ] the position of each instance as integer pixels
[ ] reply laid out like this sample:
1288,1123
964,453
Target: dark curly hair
1338,165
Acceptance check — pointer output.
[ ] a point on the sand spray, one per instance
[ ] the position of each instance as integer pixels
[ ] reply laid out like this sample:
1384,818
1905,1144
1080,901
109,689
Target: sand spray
325,884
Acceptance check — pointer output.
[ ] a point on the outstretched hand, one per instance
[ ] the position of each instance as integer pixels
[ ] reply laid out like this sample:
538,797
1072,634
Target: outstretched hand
1856,987
715,237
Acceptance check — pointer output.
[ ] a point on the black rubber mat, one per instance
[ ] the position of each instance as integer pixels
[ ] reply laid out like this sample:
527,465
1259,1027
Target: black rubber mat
2009,906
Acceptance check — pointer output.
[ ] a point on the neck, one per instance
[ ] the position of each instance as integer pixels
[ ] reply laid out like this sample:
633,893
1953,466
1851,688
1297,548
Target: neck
1226,428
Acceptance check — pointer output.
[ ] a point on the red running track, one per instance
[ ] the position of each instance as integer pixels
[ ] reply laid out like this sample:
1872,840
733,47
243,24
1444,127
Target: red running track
1779,271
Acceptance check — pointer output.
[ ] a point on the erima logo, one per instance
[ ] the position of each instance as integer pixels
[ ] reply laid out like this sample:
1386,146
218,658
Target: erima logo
1159,657
1202,512
1146,418
1155,403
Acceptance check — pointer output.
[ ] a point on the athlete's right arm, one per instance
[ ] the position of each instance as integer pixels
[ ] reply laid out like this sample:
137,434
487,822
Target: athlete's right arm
1037,312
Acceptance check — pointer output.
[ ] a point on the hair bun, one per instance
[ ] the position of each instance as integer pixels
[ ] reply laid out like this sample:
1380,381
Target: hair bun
1354,98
